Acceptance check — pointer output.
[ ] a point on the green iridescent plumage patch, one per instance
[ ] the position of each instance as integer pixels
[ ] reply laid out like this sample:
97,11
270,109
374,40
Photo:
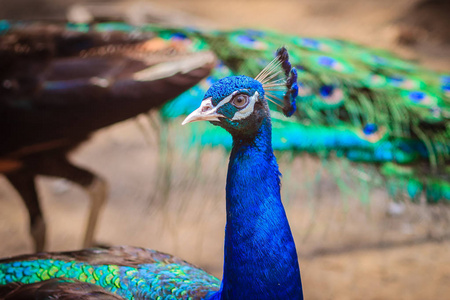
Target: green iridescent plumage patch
158,280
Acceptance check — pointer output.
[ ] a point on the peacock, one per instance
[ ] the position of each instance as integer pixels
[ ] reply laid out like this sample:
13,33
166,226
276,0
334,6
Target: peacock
59,84
260,257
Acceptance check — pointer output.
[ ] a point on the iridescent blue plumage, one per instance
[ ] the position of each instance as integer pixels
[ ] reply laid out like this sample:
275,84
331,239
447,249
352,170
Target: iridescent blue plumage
256,220
226,86
260,255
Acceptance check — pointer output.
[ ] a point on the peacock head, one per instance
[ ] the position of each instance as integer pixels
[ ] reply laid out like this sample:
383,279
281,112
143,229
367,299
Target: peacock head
239,103
235,103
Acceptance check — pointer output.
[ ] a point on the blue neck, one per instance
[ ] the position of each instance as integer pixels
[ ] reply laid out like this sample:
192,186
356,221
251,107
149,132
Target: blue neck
260,256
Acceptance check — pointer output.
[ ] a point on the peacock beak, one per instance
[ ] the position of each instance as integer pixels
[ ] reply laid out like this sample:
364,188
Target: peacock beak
206,112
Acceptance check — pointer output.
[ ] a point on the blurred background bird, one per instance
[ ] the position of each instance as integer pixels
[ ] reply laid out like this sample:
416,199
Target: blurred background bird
59,85
400,144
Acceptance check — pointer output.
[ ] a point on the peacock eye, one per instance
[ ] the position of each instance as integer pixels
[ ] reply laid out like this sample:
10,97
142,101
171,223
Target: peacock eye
240,101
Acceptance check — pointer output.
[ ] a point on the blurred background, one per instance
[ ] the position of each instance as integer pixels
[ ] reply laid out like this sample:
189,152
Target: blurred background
353,240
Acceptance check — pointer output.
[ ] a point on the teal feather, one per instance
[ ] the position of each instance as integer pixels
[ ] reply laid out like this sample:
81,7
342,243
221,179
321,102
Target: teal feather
161,277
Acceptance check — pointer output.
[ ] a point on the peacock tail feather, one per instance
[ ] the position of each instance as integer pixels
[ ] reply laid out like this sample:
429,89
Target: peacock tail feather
356,103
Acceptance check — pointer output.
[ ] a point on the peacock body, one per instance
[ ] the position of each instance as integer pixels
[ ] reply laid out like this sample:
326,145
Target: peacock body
260,260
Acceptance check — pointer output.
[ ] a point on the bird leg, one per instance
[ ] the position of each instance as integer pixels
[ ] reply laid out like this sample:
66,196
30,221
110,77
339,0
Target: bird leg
94,185
98,191
23,182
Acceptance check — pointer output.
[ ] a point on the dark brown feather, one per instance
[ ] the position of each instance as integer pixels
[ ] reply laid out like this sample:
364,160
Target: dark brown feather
57,84
57,289
117,255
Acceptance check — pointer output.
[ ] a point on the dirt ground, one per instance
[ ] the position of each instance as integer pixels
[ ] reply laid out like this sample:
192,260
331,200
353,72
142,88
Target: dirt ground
350,246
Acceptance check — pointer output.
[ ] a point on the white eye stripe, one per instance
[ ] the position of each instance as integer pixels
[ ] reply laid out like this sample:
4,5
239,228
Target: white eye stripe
247,111
225,100
244,113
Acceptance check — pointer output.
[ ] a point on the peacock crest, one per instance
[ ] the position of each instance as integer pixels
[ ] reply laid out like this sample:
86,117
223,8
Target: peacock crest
272,85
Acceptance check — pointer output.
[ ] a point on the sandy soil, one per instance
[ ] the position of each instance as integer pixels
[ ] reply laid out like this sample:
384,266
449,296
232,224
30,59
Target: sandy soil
349,246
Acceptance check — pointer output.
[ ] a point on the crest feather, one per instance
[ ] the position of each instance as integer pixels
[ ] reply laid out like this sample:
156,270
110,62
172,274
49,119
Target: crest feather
273,85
